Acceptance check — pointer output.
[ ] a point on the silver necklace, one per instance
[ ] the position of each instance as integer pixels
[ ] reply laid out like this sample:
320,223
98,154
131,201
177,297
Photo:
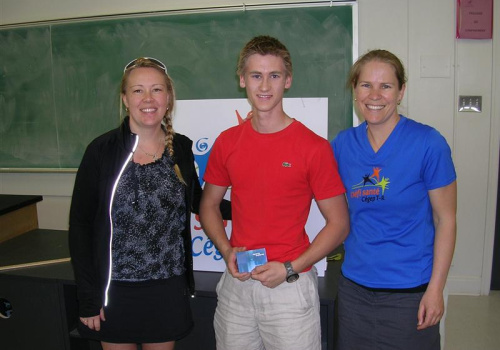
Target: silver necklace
152,155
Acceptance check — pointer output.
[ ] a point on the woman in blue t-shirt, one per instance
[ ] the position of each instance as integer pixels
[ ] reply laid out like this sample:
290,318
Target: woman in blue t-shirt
401,189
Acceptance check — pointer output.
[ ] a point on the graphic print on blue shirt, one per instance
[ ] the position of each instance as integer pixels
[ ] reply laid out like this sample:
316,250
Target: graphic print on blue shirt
371,188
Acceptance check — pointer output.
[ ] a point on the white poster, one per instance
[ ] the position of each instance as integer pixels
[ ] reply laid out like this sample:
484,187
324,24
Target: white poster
203,120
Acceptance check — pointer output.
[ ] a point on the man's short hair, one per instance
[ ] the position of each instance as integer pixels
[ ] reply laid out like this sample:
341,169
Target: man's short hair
264,45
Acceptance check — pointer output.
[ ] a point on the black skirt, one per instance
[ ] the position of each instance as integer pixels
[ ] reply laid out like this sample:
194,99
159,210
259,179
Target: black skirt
144,312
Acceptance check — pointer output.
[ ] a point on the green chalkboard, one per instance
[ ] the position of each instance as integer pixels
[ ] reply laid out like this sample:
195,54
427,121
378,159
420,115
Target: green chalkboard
59,82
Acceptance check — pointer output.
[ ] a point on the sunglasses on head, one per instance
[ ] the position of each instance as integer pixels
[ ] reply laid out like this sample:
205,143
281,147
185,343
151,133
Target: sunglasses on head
154,61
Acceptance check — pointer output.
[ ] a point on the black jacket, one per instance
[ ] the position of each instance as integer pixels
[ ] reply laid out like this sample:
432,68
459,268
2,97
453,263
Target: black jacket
90,223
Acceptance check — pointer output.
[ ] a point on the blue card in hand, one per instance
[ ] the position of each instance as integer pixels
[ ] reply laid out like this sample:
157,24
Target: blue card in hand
250,259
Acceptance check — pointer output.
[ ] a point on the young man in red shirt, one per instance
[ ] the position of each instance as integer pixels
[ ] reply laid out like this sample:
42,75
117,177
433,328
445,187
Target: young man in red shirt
275,167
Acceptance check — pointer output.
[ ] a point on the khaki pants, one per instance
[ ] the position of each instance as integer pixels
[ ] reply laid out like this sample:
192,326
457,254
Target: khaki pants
253,317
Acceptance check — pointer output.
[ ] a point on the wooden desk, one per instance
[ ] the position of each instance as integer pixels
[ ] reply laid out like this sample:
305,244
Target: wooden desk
37,294
34,248
18,215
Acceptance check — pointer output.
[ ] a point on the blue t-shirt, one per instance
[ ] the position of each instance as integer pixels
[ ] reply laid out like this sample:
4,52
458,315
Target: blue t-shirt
391,241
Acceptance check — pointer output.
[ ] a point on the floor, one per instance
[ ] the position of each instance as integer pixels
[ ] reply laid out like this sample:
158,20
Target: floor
473,322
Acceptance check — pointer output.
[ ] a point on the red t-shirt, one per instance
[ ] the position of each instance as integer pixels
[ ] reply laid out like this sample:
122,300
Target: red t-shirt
273,179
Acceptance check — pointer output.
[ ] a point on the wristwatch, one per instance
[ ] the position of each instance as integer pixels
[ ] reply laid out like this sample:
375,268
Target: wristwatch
291,276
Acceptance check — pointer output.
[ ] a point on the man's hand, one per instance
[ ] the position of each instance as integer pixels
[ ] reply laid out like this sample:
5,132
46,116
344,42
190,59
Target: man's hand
232,266
271,274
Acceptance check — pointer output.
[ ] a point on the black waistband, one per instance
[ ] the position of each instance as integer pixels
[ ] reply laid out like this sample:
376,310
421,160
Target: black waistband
146,283
418,289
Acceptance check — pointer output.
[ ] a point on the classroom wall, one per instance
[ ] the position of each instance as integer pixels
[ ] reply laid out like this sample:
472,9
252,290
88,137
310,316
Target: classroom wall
439,67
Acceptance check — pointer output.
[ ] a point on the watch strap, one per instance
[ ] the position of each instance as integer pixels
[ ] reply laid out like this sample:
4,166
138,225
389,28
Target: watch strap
291,275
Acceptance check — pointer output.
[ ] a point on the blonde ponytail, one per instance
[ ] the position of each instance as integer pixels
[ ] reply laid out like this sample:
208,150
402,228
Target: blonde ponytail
169,144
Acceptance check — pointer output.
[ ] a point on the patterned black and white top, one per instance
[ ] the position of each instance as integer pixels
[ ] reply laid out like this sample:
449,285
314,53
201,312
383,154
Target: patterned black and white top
149,214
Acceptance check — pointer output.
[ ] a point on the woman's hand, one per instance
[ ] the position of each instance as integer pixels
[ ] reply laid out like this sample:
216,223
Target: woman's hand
431,309
94,322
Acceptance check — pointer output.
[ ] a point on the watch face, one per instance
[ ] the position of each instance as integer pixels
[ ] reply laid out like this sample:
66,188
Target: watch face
292,278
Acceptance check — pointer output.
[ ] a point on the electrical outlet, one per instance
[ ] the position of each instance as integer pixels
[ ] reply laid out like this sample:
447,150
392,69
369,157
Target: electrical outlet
470,103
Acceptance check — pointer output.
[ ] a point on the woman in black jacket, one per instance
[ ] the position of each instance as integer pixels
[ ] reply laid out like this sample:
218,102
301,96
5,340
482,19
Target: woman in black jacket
129,235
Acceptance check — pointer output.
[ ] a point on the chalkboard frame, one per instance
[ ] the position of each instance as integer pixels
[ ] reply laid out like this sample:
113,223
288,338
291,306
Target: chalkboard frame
55,62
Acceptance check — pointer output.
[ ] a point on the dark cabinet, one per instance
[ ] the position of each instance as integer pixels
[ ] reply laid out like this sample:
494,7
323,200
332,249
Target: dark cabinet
35,322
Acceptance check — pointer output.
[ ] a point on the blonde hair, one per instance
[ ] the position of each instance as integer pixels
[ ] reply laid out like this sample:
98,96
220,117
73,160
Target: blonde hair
381,56
146,62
